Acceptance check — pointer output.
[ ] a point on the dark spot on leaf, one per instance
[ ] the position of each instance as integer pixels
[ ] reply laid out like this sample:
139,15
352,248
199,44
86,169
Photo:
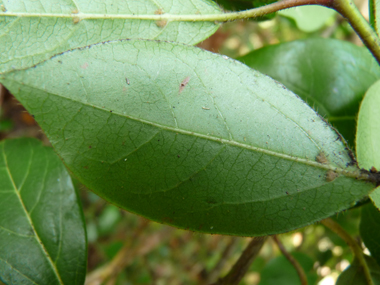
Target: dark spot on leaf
89,146
331,175
183,84
321,158
76,20
161,23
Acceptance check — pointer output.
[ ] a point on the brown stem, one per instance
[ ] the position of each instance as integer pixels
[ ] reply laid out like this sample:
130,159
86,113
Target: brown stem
356,249
241,266
292,260
362,28
226,254
128,252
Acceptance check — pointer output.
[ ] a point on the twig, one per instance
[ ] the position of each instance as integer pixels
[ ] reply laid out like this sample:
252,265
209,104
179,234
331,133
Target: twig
226,254
356,249
2,94
127,254
241,266
292,260
353,16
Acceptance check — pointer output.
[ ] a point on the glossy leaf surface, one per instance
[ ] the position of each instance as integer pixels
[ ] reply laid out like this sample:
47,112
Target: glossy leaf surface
309,18
368,134
331,76
370,230
354,275
42,236
189,138
32,31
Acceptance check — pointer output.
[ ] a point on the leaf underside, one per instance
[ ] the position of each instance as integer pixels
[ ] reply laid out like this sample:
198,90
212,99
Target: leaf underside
33,31
42,235
188,138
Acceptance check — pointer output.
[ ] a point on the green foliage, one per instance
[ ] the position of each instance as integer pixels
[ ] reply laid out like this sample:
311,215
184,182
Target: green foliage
129,123
309,18
54,26
369,230
42,234
279,271
184,137
368,134
333,90
353,275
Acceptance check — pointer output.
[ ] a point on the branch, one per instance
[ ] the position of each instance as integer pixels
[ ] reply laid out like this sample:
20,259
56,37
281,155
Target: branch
126,255
292,260
226,254
360,25
356,249
241,266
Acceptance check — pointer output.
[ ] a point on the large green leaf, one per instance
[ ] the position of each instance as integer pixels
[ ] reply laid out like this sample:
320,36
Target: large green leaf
331,76
354,275
32,31
189,138
368,134
370,230
42,235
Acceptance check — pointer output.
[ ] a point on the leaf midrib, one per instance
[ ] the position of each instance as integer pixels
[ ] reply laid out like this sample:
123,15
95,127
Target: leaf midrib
97,16
353,174
55,270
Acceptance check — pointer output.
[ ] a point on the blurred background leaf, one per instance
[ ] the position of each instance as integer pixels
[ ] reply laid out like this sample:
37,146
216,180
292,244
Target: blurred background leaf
353,275
309,18
370,229
42,234
333,90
